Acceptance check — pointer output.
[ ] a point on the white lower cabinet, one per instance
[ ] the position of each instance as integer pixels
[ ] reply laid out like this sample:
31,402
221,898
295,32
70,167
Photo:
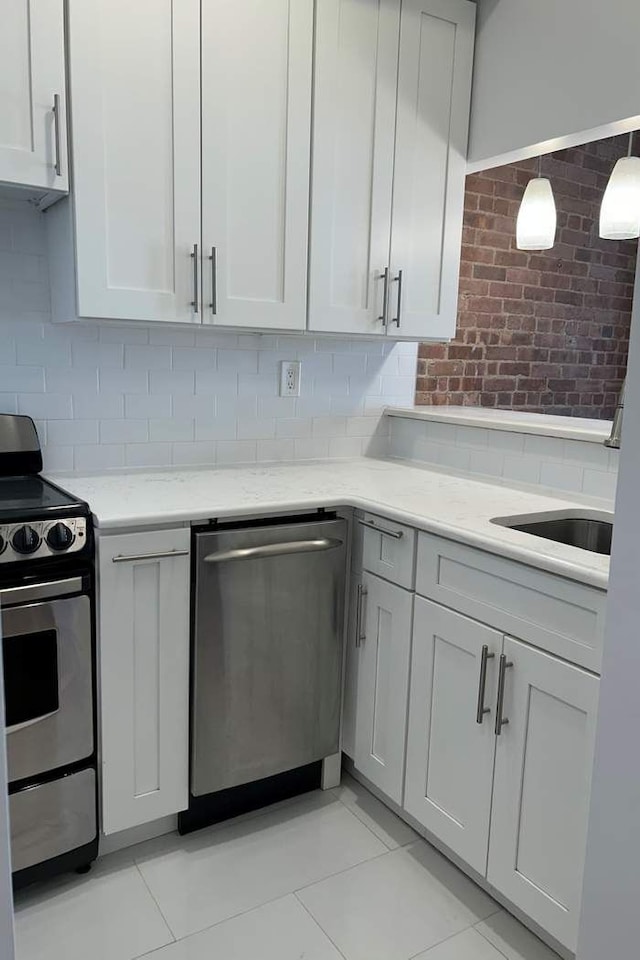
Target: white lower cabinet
384,647
522,823
541,788
144,676
449,754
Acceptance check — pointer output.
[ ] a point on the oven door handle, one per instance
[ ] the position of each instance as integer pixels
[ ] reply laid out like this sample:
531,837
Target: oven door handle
30,723
274,550
40,591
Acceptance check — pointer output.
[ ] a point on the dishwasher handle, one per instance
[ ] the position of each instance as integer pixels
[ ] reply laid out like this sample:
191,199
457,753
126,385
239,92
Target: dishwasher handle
274,550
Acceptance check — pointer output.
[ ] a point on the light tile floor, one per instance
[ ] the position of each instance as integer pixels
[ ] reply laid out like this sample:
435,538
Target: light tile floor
322,877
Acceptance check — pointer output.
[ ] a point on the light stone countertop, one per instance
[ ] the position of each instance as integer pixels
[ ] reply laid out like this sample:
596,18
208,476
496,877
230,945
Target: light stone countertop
452,506
513,421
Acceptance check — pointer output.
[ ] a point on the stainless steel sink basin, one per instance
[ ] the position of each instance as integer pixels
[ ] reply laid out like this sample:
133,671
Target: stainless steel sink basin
588,530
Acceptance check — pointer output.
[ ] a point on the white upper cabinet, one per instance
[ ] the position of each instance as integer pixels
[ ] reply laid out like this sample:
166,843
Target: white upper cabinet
135,96
391,114
256,131
356,67
434,90
33,139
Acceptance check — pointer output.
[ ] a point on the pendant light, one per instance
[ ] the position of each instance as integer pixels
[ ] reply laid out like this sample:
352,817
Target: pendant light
620,210
537,219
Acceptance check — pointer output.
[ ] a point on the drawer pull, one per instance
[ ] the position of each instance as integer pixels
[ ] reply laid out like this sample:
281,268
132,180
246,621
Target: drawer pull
396,534
500,720
151,556
482,685
361,633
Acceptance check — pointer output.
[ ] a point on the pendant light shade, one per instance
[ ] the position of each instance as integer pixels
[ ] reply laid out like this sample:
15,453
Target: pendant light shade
536,224
620,210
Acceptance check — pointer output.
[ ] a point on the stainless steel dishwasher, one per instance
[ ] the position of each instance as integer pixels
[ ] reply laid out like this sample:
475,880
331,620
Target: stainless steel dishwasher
267,655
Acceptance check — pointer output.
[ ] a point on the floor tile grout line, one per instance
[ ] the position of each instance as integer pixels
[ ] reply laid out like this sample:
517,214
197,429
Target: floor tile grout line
160,910
339,873
319,926
427,950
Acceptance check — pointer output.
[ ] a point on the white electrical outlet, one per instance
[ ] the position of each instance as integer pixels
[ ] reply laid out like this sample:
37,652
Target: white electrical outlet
290,378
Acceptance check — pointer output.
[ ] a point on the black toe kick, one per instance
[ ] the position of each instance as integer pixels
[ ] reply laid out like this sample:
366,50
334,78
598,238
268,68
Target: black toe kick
224,804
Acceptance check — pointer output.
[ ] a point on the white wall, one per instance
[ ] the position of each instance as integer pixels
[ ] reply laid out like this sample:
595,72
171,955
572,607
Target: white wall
110,396
545,69
610,925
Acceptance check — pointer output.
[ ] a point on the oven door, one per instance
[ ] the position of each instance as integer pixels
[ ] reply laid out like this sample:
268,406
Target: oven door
47,657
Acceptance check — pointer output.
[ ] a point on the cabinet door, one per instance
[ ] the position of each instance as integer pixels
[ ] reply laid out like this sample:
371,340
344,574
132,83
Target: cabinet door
144,676
256,131
541,789
434,89
135,90
450,755
33,140
383,684
355,83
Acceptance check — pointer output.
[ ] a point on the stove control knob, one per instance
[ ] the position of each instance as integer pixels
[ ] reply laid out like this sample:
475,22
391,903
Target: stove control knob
60,536
3,543
25,540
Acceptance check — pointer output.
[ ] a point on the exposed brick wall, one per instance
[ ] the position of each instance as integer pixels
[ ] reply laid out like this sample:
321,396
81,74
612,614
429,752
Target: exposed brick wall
540,331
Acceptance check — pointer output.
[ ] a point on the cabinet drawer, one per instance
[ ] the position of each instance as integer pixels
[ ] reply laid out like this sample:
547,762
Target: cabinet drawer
546,610
388,549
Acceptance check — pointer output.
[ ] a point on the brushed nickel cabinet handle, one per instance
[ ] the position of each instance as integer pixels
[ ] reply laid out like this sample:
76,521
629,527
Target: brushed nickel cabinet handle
358,612
501,721
398,280
396,534
213,257
361,634
481,710
56,135
150,556
385,296
194,256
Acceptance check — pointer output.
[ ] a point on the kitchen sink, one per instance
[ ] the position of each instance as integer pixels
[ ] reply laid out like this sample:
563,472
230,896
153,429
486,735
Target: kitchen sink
587,530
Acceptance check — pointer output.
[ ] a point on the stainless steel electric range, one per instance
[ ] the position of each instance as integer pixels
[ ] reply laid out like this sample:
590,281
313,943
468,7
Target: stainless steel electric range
48,652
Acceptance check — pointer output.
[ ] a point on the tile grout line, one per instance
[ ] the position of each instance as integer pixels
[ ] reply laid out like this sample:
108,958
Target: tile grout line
166,922
319,926
427,950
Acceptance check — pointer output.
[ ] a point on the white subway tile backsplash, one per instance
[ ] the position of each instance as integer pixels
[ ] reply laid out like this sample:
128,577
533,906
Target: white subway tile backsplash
147,454
21,379
275,449
171,428
123,381
132,394
172,381
255,429
193,454
572,466
144,406
124,431
236,451
147,357
599,484
194,358
105,456
49,406
71,432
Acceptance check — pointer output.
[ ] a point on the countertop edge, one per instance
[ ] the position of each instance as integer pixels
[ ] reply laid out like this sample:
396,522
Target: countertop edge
564,568
492,420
